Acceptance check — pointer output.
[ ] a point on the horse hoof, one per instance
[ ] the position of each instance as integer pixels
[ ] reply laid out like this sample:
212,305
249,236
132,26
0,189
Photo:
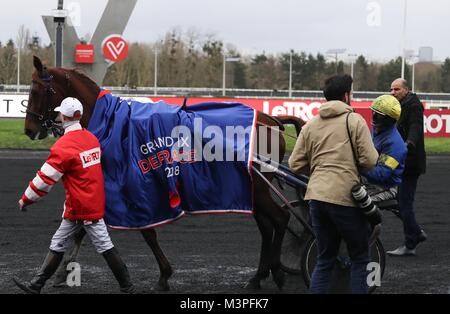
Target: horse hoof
161,287
253,284
279,278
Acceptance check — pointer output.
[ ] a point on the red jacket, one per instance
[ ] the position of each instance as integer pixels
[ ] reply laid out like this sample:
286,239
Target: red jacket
76,159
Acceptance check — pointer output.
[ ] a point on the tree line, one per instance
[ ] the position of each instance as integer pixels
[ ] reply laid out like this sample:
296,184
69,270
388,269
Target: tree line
193,60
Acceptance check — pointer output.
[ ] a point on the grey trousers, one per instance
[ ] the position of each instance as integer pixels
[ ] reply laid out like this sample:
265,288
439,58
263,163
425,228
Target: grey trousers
98,233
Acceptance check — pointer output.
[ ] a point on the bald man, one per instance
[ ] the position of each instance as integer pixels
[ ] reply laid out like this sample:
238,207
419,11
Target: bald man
410,126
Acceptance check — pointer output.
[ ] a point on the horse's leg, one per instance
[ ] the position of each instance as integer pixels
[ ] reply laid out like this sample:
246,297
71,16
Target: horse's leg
280,219
266,228
62,272
165,269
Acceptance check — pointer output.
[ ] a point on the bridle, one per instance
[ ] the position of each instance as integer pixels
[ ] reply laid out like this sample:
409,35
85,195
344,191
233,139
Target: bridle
46,122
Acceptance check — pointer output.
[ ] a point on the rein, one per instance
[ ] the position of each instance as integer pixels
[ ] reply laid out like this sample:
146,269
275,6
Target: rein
276,130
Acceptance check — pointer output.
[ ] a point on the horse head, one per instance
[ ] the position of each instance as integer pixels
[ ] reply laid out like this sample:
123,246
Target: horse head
49,87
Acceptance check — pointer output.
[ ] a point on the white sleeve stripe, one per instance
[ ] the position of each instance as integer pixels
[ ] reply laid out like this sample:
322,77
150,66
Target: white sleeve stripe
41,185
51,172
31,195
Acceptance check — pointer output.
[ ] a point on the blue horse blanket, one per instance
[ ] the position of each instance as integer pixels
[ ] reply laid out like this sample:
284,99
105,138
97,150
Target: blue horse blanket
161,161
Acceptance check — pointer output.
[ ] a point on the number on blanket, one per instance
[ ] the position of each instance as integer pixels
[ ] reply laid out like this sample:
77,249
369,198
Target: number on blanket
172,171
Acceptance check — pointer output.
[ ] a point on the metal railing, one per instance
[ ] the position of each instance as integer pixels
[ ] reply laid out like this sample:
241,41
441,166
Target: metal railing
434,100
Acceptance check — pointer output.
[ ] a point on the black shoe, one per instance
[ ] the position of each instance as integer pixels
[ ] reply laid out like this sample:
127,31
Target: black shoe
27,286
422,237
129,290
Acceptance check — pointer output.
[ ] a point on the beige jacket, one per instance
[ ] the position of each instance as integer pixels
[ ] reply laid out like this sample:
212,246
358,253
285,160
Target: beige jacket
323,147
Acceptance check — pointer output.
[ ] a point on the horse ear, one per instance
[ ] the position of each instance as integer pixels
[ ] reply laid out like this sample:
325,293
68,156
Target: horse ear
38,64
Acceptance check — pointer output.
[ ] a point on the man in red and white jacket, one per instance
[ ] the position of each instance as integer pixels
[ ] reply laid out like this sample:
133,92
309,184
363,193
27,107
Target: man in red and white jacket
76,159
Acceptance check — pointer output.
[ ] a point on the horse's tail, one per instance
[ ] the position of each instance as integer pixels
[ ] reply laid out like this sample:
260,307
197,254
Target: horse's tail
297,122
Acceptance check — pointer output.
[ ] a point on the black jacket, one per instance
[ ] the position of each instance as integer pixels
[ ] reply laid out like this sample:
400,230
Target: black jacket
410,126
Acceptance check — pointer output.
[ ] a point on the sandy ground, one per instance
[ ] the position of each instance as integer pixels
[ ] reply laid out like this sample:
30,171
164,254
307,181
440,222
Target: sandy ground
210,254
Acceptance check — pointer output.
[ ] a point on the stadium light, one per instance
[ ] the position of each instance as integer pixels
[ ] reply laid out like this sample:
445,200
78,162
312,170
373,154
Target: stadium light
336,53
225,60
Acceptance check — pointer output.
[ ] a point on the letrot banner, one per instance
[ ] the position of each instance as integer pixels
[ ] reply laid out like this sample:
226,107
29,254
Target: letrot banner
436,121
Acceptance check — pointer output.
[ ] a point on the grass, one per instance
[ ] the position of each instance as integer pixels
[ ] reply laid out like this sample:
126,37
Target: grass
13,137
437,145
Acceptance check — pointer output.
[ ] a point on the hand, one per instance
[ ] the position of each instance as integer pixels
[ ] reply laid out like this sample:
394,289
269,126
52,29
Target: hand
22,206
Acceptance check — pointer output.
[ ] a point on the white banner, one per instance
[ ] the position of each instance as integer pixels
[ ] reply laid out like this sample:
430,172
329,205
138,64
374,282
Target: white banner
13,106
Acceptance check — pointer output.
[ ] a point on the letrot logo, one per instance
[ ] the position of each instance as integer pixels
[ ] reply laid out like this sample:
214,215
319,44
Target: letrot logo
91,157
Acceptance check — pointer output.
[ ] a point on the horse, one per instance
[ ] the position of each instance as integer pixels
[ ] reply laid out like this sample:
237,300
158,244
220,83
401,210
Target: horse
51,85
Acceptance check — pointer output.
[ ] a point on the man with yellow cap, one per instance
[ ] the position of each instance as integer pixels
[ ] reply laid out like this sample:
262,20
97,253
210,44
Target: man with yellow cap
385,177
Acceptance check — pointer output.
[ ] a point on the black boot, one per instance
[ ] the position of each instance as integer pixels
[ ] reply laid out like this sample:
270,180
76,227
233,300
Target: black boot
119,270
48,268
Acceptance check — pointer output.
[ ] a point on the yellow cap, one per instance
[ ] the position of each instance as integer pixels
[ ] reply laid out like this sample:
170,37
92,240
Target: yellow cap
387,105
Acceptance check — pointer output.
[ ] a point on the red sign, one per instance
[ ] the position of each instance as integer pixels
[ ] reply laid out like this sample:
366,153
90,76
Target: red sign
115,48
436,121
84,53
304,109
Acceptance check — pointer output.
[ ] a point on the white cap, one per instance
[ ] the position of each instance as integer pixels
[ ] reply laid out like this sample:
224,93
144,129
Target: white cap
69,106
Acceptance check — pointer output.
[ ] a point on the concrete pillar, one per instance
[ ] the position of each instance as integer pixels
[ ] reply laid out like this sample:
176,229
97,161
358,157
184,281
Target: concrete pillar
113,22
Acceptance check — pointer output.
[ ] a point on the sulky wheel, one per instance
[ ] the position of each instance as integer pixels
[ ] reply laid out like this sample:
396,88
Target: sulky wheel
341,272
294,241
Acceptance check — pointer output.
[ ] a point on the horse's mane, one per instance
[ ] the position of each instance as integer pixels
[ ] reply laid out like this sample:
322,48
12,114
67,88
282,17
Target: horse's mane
86,79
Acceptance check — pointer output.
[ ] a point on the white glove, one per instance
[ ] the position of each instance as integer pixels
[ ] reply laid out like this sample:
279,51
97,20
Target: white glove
22,206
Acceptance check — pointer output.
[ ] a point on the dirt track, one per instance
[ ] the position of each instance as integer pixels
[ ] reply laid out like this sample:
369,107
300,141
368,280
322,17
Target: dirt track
210,254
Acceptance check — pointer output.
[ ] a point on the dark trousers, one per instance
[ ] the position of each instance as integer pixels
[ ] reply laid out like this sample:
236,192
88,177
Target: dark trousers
331,224
406,194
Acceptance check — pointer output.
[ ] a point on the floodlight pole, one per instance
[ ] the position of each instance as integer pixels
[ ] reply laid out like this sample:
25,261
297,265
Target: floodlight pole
414,72
156,71
352,68
18,65
59,21
404,39
224,74
290,74
225,60
337,66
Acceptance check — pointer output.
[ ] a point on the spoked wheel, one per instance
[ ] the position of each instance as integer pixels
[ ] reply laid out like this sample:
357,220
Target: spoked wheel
295,240
341,271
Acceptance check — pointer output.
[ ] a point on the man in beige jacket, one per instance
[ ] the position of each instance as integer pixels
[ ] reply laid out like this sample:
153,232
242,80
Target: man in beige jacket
323,149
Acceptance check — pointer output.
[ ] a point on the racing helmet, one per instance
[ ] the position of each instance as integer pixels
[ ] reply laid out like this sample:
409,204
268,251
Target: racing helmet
387,105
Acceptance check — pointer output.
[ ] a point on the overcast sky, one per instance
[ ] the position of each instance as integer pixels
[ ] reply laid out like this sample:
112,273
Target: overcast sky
372,28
